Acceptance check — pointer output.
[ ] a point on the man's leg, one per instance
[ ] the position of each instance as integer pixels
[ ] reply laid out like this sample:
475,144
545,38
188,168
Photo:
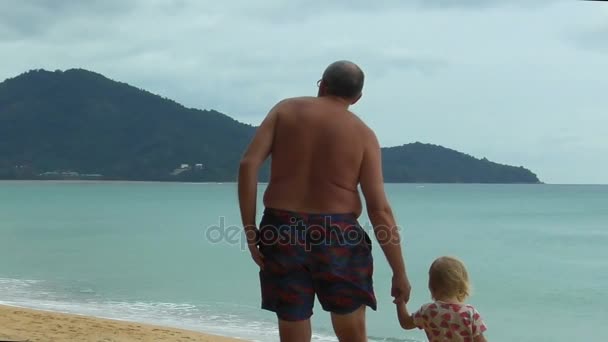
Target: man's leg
286,281
350,327
343,278
298,331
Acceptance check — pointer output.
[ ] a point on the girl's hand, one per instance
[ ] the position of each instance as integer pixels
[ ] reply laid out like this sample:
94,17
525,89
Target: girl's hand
405,319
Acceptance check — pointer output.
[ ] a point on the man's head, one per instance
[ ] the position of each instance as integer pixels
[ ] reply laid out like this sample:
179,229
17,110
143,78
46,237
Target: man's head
342,79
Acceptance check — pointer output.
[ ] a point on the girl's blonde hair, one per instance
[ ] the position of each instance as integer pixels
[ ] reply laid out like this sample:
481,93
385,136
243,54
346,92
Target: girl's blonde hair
448,278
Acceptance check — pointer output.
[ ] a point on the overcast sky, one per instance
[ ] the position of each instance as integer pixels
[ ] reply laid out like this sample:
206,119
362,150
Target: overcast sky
523,82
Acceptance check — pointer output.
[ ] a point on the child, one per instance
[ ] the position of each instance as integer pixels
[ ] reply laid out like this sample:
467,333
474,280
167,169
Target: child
448,318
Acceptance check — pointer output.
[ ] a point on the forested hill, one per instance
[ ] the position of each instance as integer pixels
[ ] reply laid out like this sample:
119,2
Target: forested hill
78,124
426,163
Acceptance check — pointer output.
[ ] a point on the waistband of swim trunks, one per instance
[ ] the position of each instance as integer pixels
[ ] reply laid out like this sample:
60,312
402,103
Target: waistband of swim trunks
310,216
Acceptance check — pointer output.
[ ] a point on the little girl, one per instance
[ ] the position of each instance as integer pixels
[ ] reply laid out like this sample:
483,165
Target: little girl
448,318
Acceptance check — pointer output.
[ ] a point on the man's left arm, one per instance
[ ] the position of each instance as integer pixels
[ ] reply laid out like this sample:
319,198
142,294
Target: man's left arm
259,149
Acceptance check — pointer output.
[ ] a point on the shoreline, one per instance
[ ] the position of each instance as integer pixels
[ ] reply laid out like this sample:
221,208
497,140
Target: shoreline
33,325
110,181
118,181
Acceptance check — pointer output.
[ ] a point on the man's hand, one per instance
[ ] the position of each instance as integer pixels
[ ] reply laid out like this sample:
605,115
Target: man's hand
252,234
401,289
257,256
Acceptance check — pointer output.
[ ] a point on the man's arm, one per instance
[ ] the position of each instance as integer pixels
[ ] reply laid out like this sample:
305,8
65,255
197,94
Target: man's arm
250,164
381,216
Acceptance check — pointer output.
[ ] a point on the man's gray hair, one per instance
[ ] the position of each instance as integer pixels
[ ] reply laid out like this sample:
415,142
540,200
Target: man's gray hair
343,79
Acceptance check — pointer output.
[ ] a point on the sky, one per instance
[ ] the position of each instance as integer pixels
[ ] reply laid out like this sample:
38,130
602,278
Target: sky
521,82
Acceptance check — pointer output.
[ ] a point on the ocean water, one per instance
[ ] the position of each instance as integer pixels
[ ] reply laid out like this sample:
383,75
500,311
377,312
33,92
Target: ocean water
153,252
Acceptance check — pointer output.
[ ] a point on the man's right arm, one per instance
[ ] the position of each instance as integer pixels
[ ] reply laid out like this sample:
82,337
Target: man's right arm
381,216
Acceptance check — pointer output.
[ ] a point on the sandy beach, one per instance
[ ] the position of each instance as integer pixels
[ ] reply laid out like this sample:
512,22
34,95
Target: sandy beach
18,324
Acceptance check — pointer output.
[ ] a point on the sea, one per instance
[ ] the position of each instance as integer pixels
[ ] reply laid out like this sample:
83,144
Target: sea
172,254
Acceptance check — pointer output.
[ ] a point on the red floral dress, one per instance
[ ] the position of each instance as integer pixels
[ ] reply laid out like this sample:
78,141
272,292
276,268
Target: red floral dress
446,322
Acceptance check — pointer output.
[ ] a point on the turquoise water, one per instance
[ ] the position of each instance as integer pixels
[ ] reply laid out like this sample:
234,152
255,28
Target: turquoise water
144,251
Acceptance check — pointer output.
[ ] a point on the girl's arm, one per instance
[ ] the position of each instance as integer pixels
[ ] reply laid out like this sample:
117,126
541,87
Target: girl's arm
405,319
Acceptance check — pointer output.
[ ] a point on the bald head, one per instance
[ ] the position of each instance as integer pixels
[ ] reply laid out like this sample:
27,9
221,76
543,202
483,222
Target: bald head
343,79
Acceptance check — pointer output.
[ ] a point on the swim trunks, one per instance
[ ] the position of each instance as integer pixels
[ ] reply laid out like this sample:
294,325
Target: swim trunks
327,255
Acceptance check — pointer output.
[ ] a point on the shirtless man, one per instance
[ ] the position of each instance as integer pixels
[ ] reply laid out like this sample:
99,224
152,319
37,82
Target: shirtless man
310,242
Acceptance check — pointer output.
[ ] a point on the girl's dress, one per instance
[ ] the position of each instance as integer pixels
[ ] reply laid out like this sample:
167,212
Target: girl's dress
447,322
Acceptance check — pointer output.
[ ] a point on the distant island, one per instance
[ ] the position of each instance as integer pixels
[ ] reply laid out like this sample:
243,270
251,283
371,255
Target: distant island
77,124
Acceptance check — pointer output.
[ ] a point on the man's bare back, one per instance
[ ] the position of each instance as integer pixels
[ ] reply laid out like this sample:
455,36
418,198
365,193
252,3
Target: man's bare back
316,157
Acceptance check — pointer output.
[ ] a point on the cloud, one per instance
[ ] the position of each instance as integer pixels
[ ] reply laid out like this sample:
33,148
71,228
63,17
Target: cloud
592,34
593,39
27,18
481,4
21,19
384,5
485,77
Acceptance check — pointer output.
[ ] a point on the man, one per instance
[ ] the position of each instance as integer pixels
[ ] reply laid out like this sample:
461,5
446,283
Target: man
309,242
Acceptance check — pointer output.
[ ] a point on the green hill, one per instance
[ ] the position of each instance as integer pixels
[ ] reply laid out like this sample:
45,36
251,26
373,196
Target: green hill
79,124
426,163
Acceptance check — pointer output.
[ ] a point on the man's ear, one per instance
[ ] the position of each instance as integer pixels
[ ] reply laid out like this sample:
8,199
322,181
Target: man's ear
322,89
356,99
